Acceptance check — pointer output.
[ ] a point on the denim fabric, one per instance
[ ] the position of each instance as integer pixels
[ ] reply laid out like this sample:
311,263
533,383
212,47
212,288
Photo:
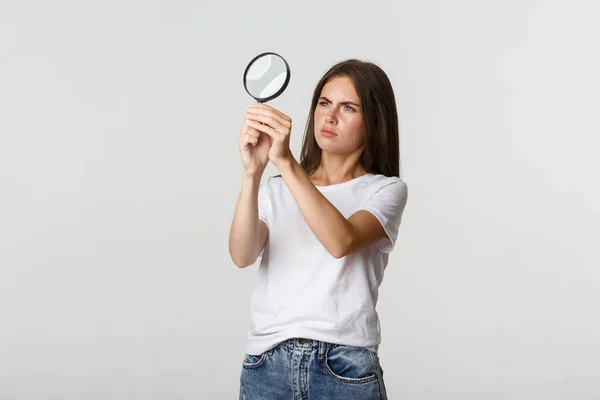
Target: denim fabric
304,369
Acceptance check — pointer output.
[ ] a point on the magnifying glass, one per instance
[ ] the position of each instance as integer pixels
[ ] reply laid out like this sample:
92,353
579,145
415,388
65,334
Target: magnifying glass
266,76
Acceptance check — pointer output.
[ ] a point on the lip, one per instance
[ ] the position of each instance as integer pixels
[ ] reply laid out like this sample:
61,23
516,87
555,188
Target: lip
327,133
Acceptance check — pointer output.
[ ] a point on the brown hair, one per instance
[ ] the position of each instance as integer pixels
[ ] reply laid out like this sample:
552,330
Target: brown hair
381,154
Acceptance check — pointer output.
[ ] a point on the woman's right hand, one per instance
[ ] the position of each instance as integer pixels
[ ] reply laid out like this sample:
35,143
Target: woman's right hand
254,149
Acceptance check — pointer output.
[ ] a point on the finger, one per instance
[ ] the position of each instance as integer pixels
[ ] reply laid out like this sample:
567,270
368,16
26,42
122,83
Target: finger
266,111
248,129
251,139
268,119
272,110
265,129
247,139
265,120
251,131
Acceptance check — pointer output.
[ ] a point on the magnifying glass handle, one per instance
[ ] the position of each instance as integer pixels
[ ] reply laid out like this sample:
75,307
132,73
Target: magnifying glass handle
260,102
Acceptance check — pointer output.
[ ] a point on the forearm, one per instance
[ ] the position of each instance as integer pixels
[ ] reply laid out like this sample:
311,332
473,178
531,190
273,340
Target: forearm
329,226
244,233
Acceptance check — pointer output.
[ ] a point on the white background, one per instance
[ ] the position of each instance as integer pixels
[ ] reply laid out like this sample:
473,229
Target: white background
119,174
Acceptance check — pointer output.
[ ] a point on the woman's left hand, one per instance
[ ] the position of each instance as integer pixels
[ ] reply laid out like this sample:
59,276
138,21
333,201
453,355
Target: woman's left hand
277,125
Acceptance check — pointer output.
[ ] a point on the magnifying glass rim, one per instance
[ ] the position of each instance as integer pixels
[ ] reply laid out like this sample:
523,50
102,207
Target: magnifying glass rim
285,84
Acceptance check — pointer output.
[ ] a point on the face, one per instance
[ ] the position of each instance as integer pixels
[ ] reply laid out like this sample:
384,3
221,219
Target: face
338,110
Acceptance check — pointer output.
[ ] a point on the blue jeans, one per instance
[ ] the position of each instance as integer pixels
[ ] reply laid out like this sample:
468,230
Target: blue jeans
304,369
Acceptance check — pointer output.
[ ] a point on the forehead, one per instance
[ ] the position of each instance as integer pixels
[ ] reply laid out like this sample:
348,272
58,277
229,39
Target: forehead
342,87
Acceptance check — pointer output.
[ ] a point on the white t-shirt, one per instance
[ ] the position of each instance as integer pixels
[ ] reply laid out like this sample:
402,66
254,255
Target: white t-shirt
303,291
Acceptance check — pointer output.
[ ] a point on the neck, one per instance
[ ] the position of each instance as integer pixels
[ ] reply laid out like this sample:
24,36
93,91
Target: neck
335,169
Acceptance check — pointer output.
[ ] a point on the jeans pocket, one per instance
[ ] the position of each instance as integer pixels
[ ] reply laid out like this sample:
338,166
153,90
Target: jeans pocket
250,361
351,364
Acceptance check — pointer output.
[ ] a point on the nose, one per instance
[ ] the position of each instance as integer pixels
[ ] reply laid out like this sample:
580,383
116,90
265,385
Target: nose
329,118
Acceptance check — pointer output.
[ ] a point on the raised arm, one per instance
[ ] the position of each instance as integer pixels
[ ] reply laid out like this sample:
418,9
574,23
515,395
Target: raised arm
248,234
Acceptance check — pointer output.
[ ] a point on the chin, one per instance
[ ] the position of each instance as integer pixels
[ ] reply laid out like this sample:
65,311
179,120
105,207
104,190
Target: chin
334,150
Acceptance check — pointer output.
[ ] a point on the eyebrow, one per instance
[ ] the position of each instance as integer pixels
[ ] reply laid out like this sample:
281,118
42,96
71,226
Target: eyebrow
341,102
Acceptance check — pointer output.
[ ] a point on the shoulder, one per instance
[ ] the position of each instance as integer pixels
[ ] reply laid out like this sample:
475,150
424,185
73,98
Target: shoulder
271,182
395,183
271,187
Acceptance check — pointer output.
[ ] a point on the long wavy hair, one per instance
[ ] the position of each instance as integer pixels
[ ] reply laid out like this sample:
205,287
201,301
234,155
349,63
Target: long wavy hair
381,154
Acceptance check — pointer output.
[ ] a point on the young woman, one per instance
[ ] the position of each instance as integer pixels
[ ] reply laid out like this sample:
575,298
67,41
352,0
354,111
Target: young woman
325,227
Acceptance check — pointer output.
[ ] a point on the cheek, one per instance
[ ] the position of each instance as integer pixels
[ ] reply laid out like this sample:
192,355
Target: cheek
355,125
358,130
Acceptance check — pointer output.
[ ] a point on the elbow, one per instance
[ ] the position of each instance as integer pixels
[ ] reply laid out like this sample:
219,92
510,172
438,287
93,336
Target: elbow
237,263
240,260
338,255
238,257
241,264
343,249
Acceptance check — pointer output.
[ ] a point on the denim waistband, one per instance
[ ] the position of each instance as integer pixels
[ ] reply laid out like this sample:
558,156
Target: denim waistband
306,344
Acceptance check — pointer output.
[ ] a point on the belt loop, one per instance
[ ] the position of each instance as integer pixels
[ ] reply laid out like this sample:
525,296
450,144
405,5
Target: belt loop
322,350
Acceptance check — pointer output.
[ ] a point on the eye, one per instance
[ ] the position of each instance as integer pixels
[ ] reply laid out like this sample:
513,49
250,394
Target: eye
350,108
323,103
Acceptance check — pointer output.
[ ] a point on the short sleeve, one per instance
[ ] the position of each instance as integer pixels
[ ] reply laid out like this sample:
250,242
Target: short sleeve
264,202
387,204
264,206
